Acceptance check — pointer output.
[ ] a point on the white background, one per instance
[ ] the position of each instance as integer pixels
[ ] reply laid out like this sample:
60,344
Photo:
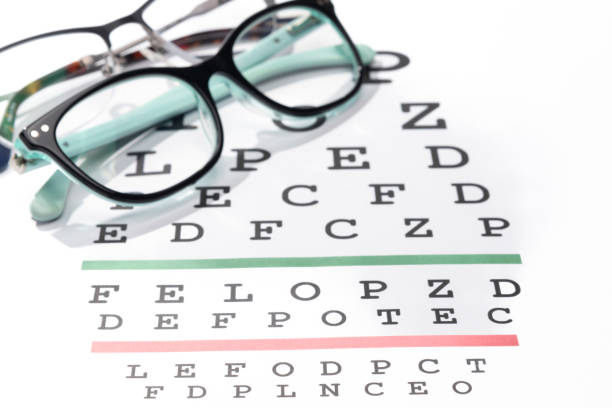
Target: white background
525,82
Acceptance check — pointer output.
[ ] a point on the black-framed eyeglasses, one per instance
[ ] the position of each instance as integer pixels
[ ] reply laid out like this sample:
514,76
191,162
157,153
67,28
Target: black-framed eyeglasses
53,65
304,68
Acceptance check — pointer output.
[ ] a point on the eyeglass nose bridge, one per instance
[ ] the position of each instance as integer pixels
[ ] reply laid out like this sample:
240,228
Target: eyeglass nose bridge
159,51
114,60
222,84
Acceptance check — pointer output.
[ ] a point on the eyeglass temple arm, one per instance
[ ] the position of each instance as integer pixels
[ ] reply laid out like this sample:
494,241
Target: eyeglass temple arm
73,70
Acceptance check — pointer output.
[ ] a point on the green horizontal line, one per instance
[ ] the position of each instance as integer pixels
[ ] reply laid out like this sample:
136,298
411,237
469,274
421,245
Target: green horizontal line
304,262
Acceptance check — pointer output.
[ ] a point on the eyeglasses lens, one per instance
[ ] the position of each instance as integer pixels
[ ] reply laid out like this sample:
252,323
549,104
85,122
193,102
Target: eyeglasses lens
313,62
141,135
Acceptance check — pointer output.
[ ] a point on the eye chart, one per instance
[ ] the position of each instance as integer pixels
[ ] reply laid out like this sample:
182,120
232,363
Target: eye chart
422,248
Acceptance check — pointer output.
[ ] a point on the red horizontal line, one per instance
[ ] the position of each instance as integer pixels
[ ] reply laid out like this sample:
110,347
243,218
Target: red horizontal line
304,344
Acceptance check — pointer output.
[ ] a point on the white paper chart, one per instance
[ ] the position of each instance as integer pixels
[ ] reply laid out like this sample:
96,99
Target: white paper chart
436,243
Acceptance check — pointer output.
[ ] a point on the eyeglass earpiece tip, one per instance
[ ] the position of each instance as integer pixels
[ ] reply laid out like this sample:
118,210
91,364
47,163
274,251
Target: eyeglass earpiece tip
49,202
5,155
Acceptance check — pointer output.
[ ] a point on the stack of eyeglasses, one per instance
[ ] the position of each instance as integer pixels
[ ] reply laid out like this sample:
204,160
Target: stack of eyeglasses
293,62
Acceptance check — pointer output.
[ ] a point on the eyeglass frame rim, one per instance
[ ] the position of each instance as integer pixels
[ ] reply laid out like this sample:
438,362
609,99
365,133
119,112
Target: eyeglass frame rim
198,77
104,31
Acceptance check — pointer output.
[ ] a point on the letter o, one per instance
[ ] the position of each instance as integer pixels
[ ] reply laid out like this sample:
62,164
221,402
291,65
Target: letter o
466,385
315,287
339,313
277,373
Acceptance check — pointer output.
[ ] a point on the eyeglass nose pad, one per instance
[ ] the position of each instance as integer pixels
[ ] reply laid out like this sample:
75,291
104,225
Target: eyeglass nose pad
107,70
162,47
111,65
